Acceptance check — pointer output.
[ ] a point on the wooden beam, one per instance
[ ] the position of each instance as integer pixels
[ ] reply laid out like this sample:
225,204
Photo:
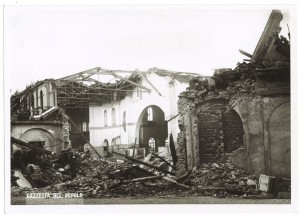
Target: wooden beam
164,160
108,72
87,93
144,163
62,99
146,79
245,53
86,140
131,82
97,82
79,73
103,88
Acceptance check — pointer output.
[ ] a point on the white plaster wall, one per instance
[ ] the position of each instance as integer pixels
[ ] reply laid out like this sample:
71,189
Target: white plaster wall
31,131
37,102
134,105
52,95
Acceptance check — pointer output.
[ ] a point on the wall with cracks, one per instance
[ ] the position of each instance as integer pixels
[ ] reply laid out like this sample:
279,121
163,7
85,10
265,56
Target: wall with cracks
243,116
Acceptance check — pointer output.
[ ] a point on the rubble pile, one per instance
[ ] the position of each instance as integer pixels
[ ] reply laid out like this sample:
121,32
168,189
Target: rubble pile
80,172
83,173
225,178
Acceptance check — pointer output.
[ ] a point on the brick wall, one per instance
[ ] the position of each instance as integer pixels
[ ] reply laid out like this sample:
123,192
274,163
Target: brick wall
233,131
214,131
218,131
209,136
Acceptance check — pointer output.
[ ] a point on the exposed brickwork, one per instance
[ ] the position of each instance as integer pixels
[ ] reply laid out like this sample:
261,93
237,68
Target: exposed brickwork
218,131
209,136
214,131
185,105
233,131
249,92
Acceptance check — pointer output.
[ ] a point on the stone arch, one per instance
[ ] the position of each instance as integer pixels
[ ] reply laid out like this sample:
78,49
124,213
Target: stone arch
267,117
113,142
209,128
157,129
219,129
237,110
106,144
233,131
140,119
280,141
40,135
118,140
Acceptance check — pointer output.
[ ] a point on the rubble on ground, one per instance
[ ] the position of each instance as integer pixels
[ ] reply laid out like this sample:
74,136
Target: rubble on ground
81,172
223,179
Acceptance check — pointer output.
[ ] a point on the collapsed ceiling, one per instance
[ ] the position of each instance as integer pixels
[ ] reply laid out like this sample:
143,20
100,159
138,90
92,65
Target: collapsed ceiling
84,88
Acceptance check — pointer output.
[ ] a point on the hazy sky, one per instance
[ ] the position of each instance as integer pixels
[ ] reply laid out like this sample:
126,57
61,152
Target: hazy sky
54,41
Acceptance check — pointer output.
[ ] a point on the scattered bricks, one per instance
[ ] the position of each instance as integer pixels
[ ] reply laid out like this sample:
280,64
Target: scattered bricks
210,176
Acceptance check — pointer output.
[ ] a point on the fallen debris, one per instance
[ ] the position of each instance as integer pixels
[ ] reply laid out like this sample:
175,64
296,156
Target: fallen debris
81,172
146,164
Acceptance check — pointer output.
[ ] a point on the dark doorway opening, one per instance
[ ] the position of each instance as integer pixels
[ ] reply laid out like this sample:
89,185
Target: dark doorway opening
153,129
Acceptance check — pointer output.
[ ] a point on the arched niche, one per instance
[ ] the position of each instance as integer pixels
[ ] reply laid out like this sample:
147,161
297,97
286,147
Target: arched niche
280,141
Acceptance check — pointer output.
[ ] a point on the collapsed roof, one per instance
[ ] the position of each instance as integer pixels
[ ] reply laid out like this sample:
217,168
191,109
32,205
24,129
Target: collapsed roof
87,87
98,85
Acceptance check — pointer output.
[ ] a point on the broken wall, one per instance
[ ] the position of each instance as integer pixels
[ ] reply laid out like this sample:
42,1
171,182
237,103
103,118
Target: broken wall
240,116
52,133
246,113
79,117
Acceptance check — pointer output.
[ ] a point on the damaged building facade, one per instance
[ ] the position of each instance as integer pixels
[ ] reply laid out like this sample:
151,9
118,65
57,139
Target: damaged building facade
144,118
246,113
51,133
107,133
134,109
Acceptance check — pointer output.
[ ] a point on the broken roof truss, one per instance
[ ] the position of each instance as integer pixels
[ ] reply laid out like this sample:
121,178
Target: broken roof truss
97,86
84,88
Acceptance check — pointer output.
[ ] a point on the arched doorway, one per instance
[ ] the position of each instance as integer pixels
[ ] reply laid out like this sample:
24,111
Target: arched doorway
112,144
118,141
233,131
152,125
217,127
40,137
106,145
280,141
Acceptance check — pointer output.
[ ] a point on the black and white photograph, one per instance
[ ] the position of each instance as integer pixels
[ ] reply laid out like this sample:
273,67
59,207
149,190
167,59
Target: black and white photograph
159,104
